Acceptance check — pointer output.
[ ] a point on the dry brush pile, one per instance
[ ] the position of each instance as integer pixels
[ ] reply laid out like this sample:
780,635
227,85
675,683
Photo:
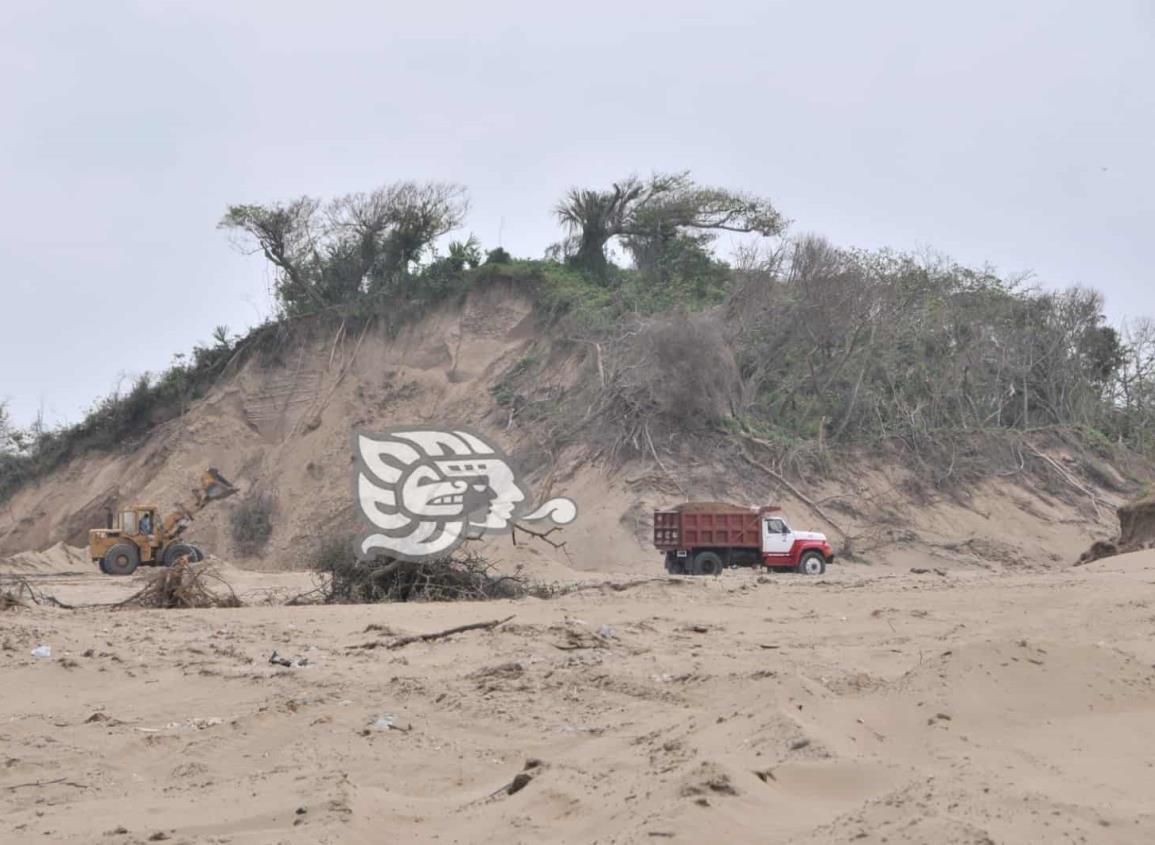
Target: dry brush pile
184,585
462,576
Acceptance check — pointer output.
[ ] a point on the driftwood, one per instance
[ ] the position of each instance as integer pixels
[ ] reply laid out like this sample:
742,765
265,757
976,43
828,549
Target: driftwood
32,783
621,586
438,635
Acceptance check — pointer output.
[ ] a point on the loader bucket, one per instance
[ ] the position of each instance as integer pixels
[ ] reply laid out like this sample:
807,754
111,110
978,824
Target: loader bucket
215,486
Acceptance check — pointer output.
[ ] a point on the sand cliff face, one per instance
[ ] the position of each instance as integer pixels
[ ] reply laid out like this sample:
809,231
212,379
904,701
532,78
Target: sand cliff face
280,424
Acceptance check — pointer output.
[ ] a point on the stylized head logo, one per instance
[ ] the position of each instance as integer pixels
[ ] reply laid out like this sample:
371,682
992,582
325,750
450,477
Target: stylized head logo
426,491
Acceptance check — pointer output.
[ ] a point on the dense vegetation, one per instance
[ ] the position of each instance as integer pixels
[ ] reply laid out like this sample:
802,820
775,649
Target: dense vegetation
794,341
853,346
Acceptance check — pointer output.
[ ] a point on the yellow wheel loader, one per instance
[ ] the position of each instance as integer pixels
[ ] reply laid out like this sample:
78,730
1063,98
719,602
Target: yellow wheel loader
139,535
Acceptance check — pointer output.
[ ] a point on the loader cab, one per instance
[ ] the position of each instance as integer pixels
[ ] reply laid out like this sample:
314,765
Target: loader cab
141,525
137,519
127,527
127,522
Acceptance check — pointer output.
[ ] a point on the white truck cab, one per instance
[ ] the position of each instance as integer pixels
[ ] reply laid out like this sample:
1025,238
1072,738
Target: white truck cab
808,551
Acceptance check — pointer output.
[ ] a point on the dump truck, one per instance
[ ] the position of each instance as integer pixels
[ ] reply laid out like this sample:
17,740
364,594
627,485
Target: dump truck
139,535
702,538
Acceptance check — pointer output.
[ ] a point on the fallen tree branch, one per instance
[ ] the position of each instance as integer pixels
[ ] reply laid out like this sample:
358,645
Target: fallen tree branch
309,412
24,589
514,527
621,586
336,340
449,632
794,491
598,352
1069,478
662,466
541,535
314,596
64,781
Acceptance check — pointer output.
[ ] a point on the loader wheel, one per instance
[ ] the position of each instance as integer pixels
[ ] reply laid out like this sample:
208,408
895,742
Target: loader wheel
122,559
173,552
706,563
812,563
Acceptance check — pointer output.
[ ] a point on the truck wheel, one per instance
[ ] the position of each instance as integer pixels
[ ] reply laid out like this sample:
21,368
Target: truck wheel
812,563
706,563
176,550
674,564
122,559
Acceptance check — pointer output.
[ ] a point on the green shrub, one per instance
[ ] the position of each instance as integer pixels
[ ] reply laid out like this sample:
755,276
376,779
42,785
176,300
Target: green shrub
252,523
498,256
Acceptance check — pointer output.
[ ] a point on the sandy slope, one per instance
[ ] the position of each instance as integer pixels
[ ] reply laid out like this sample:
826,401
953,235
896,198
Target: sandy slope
279,424
876,705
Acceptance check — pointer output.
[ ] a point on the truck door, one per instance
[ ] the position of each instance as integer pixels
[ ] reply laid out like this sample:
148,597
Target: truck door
776,536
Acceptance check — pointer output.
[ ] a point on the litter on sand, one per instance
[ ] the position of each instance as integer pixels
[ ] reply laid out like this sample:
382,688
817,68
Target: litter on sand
384,722
388,722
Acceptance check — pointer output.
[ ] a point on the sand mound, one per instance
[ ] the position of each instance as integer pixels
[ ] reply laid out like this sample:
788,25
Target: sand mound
707,507
58,558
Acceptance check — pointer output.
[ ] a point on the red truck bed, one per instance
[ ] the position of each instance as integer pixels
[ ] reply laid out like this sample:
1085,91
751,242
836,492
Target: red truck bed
708,524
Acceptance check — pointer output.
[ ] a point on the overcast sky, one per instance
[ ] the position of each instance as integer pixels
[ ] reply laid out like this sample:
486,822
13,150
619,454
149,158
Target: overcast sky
1015,133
